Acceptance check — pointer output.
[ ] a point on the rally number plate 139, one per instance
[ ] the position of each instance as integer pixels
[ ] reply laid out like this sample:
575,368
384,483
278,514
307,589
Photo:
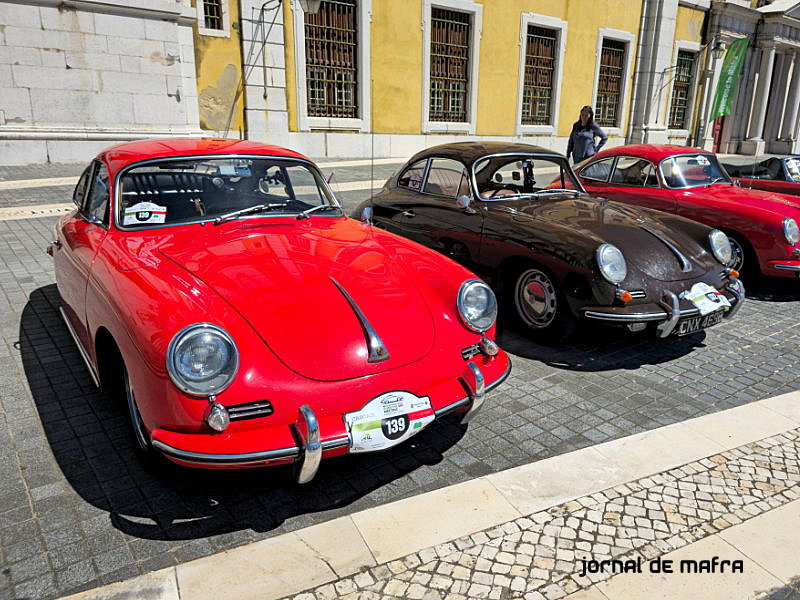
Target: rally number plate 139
387,420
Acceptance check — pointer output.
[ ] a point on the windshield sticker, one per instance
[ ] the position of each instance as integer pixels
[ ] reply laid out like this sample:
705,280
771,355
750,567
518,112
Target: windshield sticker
144,212
702,160
414,183
706,298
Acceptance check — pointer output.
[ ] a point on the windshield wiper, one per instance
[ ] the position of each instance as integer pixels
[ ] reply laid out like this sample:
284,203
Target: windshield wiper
715,180
305,213
556,191
247,211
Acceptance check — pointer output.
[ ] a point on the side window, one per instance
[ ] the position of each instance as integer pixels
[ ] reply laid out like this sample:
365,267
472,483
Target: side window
412,177
80,189
634,171
97,202
447,177
598,171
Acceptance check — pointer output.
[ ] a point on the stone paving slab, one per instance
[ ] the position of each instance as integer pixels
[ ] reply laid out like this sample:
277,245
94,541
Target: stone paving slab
78,511
739,503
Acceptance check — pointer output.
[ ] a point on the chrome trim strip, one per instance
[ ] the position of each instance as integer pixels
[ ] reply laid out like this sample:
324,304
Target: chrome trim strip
84,356
786,267
377,349
590,314
670,304
226,459
686,266
307,428
243,459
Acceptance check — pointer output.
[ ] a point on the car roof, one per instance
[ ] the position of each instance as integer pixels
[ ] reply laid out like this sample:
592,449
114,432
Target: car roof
652,152
122,155
469,152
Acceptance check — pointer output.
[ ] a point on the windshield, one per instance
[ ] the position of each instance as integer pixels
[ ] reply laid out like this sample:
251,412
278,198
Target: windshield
201,189
508,176
692,170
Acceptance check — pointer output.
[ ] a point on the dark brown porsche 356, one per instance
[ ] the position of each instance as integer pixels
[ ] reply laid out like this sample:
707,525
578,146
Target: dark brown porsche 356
517,216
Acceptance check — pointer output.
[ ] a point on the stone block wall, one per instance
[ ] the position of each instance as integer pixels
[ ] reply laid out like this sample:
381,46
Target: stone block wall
76,77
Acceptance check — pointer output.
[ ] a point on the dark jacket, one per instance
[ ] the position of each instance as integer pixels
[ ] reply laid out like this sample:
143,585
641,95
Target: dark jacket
581,141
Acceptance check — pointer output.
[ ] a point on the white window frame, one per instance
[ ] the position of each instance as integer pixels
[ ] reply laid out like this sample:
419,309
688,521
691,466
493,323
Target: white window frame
304,121
604,33
201,20
686,46
561,31
476,13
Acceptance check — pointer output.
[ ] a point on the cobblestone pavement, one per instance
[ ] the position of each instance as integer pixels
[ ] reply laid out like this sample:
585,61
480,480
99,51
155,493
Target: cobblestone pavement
77,510
535,557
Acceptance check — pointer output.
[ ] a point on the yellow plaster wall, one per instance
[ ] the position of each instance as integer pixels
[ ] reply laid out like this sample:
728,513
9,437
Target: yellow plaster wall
291,65
689,25
218,63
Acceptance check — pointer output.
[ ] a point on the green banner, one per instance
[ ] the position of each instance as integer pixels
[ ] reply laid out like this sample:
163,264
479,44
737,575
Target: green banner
729,78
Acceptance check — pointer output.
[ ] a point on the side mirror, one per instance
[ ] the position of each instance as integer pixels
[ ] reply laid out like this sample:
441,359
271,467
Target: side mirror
366,215
463,202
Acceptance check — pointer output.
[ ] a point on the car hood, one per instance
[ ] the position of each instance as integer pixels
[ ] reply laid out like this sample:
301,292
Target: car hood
751,197
282,278
648,243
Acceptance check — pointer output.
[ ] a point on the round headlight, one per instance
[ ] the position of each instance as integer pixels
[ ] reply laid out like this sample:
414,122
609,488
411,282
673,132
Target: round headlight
202,359
790,230
612,263
477,305
720,246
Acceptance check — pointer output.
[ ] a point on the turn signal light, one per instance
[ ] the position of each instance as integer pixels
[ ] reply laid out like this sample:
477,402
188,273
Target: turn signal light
626,296
733,273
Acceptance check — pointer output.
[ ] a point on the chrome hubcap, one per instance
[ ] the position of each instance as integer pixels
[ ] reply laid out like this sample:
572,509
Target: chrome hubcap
738,255
535,297
139,430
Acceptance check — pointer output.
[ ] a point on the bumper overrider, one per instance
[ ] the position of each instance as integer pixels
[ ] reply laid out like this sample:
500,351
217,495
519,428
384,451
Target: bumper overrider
307,453
667,312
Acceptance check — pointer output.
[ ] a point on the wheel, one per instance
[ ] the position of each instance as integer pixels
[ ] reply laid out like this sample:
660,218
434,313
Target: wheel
539,306
744,259
144,449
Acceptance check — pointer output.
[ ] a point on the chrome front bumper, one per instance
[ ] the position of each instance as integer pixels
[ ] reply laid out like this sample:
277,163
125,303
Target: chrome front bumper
671,313
307,456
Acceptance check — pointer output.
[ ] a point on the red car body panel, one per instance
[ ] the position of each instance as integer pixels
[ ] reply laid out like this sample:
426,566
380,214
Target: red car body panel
755,215
768,185
266,281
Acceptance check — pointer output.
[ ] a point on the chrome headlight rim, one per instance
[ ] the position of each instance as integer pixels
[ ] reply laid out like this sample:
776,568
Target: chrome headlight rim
719,253
603,265
790,230
173,372
492,306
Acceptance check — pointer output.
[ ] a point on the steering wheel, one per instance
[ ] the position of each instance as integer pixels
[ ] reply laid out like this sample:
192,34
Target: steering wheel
505,186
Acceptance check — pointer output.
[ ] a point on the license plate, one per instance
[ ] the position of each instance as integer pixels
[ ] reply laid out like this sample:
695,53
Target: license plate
387,420
694,324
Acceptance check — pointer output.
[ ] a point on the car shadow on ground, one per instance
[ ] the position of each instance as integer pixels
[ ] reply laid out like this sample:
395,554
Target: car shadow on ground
773,289
596,348
89,435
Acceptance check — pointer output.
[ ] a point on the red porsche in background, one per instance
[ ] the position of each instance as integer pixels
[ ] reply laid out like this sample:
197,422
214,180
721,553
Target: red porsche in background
246,321
762,226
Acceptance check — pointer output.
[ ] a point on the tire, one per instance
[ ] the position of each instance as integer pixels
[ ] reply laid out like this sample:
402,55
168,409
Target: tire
745,260
538,305
141,440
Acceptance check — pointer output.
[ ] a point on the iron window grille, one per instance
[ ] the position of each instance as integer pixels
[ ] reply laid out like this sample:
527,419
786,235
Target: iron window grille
450,34
609,83
331,62
681,90
212,14
537,87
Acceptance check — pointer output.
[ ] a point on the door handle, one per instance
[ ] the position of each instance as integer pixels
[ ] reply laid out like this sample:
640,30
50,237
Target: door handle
409,213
